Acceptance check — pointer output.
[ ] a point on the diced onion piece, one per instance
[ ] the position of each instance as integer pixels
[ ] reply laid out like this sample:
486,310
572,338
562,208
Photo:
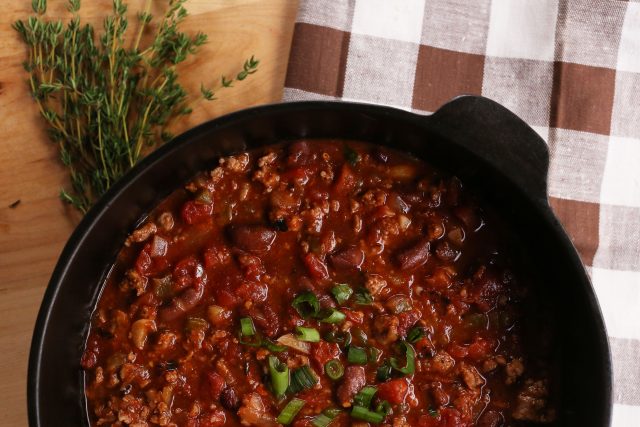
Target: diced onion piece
398,304
140,331
158,246
291,341
218,315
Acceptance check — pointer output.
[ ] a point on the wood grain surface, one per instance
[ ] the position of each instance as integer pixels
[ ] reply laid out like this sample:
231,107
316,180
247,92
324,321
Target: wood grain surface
33,233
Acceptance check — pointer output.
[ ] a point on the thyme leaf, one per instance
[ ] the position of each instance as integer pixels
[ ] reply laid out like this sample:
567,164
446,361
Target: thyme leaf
109,98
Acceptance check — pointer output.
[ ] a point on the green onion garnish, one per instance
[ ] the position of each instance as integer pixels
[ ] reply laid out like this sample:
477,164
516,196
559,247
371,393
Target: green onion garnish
384,372
342,293
365,396
246,326
272,347
374,354
362,296
351,155
410,355
302,378
325,418
415,334
342,338
363,413
334,369
333,316
383,407
306,304
357,355
308,334
290,411
279,376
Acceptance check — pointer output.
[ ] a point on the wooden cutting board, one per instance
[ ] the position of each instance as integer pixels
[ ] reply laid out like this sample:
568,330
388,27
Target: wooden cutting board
33,233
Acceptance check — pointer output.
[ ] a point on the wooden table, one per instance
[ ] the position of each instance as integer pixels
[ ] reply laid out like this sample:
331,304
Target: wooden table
33,233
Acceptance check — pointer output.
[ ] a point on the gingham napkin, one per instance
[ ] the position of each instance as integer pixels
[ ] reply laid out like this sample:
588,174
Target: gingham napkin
569,68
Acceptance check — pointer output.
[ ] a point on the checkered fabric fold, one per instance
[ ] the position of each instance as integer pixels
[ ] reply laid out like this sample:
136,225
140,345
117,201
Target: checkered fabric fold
569,68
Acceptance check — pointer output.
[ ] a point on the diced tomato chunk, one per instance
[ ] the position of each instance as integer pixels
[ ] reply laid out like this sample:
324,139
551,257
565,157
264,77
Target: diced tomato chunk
215,256
353,316
252,291
195,213
346,180
143,262
185,272
324,351
393,391
317,268
457,351
406,320
216,418
215,384
480,348
226,299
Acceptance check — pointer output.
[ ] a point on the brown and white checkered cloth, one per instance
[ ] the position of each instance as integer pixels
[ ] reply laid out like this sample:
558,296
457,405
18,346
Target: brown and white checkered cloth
570,68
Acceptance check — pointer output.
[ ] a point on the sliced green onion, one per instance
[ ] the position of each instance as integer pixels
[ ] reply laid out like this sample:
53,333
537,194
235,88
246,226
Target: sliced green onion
365,396
290,411
332,412
306,304
351,155
279,376
302,378
325,418
339,337
363,413
246,327
333,316
415,334
308,334
334,369
254,341
362,296
373,354
342,293
357,355
433,412
384,372
272,346
383,407
410,356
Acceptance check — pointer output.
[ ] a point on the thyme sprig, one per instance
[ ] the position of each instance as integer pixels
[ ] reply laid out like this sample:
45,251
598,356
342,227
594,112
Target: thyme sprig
107,99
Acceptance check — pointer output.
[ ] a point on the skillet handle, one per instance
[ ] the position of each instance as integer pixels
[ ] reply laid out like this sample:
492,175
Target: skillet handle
498,136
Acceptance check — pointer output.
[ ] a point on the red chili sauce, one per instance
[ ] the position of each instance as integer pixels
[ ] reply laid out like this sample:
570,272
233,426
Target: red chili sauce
310,284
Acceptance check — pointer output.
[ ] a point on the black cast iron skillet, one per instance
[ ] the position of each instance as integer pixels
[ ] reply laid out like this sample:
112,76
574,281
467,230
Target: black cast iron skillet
483,143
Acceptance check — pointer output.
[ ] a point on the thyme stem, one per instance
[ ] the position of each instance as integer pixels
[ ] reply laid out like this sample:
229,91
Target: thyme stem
105,104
